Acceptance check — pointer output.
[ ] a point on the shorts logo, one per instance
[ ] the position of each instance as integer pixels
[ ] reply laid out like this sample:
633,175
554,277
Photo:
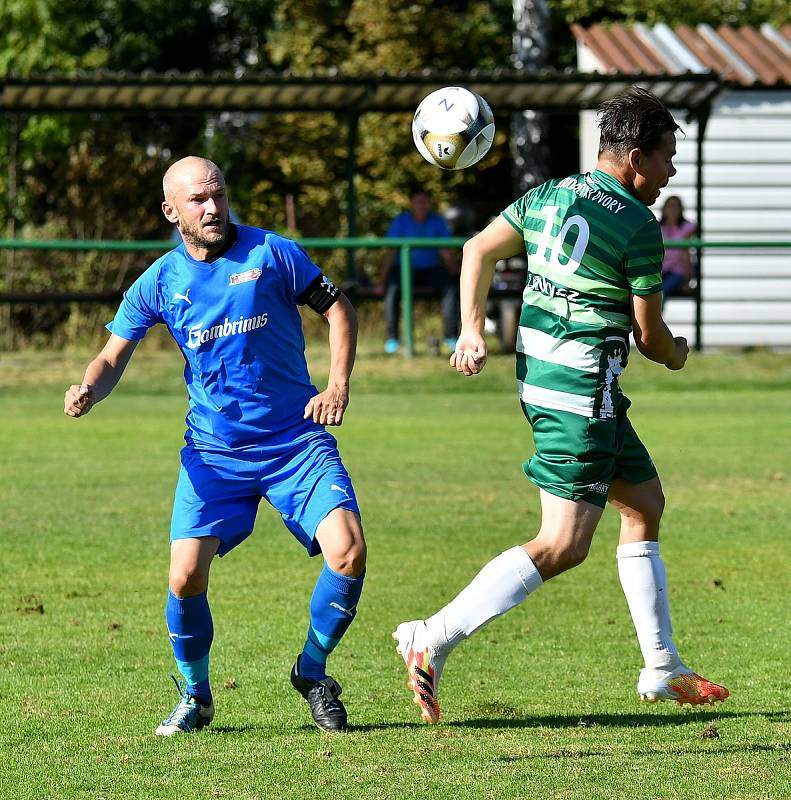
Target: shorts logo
600,487
335,488
244,277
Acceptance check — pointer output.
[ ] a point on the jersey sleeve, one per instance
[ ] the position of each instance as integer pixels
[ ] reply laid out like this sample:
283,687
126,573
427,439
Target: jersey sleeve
296,269
139,310
516,213
644,255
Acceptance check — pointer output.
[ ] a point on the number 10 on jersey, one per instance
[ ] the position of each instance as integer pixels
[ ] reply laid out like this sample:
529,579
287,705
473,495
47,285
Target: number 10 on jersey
551,249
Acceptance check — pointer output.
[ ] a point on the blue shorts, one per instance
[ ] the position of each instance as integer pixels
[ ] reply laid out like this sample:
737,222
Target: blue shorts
218,493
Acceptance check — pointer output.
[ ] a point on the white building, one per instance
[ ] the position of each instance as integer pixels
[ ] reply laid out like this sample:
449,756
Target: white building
746,293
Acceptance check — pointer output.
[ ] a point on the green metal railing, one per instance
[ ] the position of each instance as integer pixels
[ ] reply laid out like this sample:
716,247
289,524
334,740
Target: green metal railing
404,245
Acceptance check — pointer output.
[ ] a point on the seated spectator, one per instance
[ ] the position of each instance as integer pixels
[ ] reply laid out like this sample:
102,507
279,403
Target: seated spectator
677,266
431,267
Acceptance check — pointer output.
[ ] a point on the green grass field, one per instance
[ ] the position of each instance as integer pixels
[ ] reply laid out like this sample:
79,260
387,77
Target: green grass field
541,703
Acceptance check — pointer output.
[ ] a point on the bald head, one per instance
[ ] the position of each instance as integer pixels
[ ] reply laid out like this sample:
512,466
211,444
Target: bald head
196,202
190,170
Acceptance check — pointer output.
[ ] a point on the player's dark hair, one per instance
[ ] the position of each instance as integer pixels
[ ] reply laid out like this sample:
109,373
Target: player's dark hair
635,118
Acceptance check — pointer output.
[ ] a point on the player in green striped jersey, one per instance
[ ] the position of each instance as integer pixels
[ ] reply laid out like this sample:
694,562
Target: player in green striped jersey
594,253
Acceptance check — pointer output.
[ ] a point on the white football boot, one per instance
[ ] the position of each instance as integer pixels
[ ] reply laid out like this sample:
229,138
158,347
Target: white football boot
680,684
424,667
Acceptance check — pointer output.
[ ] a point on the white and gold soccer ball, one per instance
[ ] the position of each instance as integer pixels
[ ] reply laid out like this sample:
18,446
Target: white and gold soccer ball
453,128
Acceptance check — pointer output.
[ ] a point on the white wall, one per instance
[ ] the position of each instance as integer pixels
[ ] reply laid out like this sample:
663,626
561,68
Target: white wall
746,196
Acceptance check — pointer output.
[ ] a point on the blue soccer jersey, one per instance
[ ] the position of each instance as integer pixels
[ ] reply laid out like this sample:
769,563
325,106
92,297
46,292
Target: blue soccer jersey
237,325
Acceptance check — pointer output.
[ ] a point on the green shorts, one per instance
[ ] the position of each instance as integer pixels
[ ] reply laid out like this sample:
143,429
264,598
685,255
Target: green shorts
578,457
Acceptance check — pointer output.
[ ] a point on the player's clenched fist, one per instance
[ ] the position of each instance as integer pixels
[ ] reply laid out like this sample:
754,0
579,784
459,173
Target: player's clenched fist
469,357
681,351
78,400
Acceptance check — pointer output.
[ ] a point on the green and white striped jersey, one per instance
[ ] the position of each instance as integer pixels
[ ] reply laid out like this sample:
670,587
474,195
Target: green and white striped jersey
589,245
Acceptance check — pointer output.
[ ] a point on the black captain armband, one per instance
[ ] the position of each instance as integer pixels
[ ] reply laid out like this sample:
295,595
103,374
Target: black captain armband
320,294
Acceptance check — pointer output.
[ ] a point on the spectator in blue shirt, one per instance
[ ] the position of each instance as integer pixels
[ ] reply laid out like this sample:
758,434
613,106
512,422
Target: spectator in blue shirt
431,267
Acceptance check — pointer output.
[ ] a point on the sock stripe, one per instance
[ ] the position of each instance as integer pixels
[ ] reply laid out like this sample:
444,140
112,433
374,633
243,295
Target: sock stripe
314,652
194,671
327,643
637,549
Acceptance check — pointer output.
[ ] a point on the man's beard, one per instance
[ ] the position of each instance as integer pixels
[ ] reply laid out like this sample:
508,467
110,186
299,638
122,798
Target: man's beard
210,238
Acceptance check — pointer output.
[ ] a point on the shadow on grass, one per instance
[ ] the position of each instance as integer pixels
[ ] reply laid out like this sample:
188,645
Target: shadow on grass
385,726
685,750
218,730
510,720
271,729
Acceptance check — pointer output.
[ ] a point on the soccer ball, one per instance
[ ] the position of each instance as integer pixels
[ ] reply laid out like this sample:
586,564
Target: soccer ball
453,128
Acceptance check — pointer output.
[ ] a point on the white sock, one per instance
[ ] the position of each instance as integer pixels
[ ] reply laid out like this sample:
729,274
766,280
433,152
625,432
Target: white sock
502,584
644,582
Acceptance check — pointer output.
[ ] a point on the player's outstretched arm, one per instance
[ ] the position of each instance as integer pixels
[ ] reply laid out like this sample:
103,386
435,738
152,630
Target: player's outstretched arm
652,336
329,406
100,378
496,241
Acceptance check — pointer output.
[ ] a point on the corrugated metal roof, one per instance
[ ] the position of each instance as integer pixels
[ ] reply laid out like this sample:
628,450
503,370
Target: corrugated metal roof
758,57
505,90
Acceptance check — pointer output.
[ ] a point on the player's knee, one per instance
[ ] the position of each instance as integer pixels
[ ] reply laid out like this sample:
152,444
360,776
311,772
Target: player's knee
342,543
349,559
659,505
652,509
553,557
187,580
573,553
644,509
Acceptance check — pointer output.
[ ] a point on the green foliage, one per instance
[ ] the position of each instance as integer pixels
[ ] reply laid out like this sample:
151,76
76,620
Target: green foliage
41,35
309,35
423,34
674,12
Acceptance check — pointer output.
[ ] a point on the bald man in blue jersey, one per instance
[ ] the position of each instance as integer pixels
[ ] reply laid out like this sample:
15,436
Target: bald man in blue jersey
255,427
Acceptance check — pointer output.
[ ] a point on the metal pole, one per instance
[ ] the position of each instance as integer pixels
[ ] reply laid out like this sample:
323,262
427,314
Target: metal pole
351,196
530,128
703,118
14,128
406,300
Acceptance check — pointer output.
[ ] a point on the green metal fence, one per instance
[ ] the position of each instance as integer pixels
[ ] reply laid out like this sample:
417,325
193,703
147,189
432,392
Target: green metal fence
404,245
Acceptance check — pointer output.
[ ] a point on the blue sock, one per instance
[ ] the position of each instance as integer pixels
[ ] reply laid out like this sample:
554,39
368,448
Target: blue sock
191,632
333,606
